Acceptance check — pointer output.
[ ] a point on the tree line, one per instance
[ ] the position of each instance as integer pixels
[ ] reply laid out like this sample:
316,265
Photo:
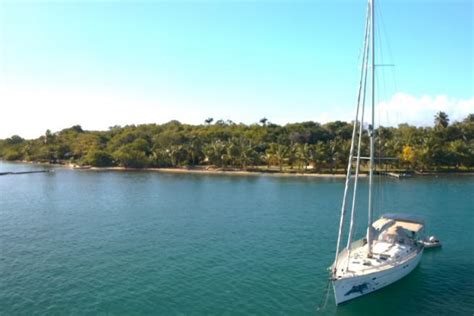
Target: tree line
298,147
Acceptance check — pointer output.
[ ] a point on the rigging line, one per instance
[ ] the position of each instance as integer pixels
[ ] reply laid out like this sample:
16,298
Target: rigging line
390,54
349,164
382,93
382,148
381,60
378,77
380,17
359,146
380,152
361,53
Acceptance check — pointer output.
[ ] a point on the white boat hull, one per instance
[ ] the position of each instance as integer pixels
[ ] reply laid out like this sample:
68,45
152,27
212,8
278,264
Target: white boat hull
349,288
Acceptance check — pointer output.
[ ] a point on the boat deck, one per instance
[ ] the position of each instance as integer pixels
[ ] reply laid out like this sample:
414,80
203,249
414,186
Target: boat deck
384,256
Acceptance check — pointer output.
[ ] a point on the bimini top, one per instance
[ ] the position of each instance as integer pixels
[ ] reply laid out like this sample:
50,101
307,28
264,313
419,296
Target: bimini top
404,218
391,222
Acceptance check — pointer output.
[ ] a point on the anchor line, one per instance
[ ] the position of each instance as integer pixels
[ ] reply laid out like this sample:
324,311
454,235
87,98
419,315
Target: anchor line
325,297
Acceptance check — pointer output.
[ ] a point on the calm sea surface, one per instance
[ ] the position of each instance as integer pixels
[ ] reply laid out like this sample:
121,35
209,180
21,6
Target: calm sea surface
129,243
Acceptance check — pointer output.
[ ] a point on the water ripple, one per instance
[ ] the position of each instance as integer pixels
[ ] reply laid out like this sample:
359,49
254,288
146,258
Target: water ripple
136,243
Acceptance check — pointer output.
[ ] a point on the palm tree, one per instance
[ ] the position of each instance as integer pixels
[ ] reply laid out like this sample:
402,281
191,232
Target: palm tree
277,153
319,155
26,151
458,153
194,151
441,120
49,137
431,151
302,155
160,157
243,152
335,152
231,154
247,155
176,154
214,152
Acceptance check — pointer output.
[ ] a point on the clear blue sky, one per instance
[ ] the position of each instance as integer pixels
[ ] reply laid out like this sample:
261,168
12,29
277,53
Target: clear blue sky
152,61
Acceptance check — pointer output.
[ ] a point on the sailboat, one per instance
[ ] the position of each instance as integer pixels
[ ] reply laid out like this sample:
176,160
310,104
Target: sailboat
390,250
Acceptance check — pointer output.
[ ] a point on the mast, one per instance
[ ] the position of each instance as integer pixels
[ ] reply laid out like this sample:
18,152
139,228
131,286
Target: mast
361,91
361,102
371,132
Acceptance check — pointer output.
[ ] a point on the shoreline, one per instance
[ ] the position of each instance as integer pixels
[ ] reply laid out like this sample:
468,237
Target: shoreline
219,171
184,170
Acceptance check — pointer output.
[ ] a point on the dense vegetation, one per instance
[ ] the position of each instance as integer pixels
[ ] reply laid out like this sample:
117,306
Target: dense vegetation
306,146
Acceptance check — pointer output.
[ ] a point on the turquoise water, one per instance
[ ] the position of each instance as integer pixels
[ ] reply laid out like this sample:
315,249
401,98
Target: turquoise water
129,243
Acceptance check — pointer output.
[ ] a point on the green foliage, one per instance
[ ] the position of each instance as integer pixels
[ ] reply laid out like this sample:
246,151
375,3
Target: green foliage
14,140
215,152
97,158
11,154
277,154
129,157
306,146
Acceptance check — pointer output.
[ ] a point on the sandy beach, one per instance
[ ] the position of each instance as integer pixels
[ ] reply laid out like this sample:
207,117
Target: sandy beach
219,172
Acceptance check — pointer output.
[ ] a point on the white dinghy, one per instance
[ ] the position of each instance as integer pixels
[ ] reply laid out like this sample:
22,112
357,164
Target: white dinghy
431,242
